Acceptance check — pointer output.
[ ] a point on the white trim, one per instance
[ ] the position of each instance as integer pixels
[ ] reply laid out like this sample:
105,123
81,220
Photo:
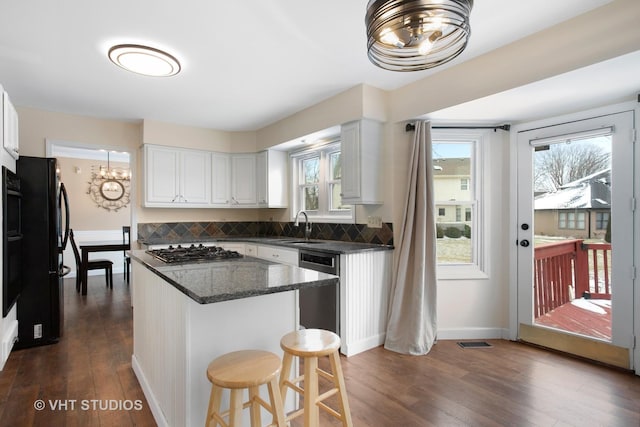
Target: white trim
323,151
478,268
541,126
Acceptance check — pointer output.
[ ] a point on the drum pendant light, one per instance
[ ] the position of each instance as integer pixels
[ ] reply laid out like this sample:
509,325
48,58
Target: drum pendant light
413,35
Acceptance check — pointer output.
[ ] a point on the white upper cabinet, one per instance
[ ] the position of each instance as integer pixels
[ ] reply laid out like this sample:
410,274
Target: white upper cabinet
233,180
243,180
9,125
176,177
272,178
361,150
221,180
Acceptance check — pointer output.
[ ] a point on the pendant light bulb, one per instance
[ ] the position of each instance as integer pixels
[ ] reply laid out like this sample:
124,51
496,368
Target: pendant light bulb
426,45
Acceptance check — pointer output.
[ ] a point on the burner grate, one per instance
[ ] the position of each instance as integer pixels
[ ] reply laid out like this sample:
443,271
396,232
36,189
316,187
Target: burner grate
193,253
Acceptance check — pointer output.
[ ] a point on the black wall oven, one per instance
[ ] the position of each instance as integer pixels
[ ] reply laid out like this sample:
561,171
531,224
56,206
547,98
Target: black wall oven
11,239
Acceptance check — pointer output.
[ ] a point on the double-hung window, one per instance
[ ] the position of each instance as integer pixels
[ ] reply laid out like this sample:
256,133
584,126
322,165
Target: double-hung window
317,177
457,185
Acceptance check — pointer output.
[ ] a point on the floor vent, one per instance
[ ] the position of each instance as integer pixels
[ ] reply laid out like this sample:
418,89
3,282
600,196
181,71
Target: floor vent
474,344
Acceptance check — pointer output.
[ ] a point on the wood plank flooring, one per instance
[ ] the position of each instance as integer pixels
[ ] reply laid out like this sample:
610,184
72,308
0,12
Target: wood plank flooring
510,384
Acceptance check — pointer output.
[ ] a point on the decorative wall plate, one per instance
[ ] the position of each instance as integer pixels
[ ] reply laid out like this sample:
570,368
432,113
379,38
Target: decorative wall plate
108,193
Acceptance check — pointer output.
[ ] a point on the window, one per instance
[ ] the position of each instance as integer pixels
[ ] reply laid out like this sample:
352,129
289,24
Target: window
602,220
457,190
317,174
571,220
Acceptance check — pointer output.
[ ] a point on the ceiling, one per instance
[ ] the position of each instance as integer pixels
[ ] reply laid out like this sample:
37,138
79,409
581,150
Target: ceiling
245,64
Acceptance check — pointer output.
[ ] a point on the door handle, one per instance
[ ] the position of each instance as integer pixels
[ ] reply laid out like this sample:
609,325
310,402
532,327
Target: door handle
524,243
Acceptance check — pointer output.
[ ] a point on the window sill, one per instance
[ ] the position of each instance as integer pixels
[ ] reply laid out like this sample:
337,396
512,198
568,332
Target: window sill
461,272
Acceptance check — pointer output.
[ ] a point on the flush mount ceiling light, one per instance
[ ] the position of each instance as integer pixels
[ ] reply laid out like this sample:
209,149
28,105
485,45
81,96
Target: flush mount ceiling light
413,35
144,60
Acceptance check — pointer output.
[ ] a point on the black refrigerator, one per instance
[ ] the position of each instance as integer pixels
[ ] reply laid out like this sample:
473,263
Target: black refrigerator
45,229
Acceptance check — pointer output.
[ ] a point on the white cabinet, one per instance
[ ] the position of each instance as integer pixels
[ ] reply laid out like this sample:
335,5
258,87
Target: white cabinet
221,180
9,125
361,148
277,254
272,178
176,177
243,179
233,180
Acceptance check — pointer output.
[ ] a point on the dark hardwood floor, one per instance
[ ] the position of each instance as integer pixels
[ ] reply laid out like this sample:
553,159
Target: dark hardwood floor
509,384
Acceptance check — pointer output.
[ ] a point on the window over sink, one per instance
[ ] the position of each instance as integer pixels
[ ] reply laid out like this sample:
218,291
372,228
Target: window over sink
316,181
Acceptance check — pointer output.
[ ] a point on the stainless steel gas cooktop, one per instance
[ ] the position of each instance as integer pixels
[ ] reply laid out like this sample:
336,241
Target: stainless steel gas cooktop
193,253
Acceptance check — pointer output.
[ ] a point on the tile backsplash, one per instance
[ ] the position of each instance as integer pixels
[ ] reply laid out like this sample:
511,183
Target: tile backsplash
359,233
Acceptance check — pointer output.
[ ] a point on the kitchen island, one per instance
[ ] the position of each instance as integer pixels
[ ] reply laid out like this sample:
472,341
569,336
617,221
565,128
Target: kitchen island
185,315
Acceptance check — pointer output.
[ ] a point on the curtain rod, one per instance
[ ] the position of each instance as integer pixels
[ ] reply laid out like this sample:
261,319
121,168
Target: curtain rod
411,127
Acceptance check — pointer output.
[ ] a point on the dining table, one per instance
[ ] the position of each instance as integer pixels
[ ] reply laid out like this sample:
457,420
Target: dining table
97,246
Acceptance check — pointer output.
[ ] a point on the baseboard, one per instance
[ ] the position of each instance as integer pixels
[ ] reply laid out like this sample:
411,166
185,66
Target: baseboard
9,338
148,394
363,345
473,334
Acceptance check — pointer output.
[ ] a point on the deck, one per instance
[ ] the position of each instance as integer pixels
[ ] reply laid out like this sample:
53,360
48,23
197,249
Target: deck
572,289
589,317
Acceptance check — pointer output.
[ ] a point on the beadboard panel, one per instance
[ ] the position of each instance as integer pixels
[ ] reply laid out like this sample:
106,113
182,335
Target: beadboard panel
365,283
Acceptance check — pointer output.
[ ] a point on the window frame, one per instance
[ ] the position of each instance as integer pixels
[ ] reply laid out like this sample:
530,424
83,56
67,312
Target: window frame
477,268
324,212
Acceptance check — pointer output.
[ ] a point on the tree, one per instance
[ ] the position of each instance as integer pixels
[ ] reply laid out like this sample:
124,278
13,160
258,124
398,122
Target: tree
560,164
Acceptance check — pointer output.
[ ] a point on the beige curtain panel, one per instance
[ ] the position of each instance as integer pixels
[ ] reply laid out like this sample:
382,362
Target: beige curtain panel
412,325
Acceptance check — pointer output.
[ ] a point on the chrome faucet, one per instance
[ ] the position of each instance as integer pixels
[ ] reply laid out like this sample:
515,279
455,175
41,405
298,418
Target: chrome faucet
307,224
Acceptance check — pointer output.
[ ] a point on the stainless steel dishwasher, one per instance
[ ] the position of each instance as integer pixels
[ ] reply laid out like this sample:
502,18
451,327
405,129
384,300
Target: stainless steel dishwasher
320,306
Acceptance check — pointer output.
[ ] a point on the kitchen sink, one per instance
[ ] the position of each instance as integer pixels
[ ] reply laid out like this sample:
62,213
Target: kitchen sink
301,242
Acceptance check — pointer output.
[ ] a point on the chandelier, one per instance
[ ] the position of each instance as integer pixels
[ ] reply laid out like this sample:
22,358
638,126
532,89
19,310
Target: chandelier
413,35
110,186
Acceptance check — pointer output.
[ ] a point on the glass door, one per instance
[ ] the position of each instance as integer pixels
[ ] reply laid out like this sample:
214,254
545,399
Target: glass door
575,237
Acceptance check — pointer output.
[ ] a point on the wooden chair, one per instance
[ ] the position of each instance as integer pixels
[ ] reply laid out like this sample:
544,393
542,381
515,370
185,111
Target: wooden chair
239,370
126,238
94,264
309,345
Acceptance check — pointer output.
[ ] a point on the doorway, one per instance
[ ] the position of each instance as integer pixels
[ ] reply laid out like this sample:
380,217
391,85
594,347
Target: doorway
98,210
575,237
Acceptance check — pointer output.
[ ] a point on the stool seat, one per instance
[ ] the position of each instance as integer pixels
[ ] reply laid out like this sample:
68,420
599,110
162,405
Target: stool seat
243,369
309,345
239,370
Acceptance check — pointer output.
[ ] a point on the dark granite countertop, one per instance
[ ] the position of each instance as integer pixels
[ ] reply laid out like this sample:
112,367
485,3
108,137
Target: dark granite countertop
224,280
327,246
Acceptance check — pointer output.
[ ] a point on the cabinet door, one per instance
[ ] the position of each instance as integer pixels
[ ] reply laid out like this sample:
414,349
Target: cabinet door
350,151
243,179
262,179
10,128
221,179
161,175
195,177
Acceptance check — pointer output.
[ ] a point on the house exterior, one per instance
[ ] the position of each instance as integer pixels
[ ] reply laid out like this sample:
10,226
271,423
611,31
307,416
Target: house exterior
451,184
579,209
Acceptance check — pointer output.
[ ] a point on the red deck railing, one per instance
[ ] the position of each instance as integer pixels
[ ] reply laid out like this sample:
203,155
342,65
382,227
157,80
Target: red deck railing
570,269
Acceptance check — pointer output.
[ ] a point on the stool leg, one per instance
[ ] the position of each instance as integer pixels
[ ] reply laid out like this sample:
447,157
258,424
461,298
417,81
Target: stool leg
235,407
311,409
277,405
256,420
285,374
214,406
336,369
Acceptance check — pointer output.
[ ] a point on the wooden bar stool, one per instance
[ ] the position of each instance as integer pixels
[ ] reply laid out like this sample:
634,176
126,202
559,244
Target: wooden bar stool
309,345
239,370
